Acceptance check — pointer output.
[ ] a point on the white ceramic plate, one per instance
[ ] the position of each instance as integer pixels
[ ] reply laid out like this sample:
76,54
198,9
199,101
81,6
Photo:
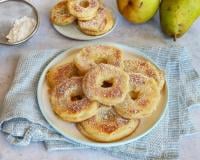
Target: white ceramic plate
72,31
69,130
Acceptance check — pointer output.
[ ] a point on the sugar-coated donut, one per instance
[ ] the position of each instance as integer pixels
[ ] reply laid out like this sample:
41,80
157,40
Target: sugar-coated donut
140,65
83,9
97,23
107,126
91,56
60,14
60,73
69,102
106,84
108,21
142,99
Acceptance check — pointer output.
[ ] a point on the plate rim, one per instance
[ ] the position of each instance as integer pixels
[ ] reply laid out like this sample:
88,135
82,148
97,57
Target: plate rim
97,144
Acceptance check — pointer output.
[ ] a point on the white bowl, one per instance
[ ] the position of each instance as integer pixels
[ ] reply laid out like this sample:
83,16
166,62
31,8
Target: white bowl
69,130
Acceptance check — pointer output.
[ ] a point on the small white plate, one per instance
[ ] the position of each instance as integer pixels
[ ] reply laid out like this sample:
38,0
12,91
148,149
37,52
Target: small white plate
69,130
72,31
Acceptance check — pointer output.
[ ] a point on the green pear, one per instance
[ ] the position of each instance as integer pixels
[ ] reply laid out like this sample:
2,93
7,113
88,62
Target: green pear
177,16
138,11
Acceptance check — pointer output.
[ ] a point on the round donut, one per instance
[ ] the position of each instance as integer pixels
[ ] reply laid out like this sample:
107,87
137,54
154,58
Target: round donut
60,73
108,24
142,99
107,126
91,56
69,102
106,84
97,23
60,14
83,9
143,66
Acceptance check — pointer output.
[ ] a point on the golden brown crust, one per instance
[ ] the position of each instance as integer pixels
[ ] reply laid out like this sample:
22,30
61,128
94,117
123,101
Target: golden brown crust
97,23
94,80
113,94
91,56
107,126
60,73
140,65
109,23
142,99
60,14
82,9
69,102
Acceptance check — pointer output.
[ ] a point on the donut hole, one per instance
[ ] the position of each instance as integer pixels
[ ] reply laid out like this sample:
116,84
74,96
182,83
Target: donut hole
76,97
84,4
134,95
107,83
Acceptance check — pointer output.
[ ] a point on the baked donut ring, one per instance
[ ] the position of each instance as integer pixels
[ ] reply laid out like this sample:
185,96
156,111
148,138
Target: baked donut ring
90,56
140,65
60,73
83,9
106,84
107,126
60,14
142,99
69,102
108,24
98,23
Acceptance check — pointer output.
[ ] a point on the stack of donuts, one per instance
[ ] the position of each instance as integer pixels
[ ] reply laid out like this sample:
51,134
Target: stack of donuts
103,93
93,18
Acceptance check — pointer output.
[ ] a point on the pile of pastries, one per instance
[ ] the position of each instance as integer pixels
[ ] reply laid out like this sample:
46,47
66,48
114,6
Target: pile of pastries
92,17
105,94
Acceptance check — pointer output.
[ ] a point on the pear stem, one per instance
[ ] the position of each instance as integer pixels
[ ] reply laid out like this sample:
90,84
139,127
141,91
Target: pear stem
174,38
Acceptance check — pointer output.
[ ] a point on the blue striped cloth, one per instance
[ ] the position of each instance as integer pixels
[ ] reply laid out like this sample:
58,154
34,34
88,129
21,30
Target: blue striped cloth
23,122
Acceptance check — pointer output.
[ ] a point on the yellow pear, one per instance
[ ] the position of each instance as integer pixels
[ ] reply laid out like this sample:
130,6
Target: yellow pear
138,11
177,16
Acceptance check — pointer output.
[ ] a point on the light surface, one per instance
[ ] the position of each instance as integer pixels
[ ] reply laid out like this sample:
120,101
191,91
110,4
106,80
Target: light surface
147,34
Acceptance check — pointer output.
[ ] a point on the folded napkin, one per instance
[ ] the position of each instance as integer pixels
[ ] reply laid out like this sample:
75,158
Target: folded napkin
23,122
